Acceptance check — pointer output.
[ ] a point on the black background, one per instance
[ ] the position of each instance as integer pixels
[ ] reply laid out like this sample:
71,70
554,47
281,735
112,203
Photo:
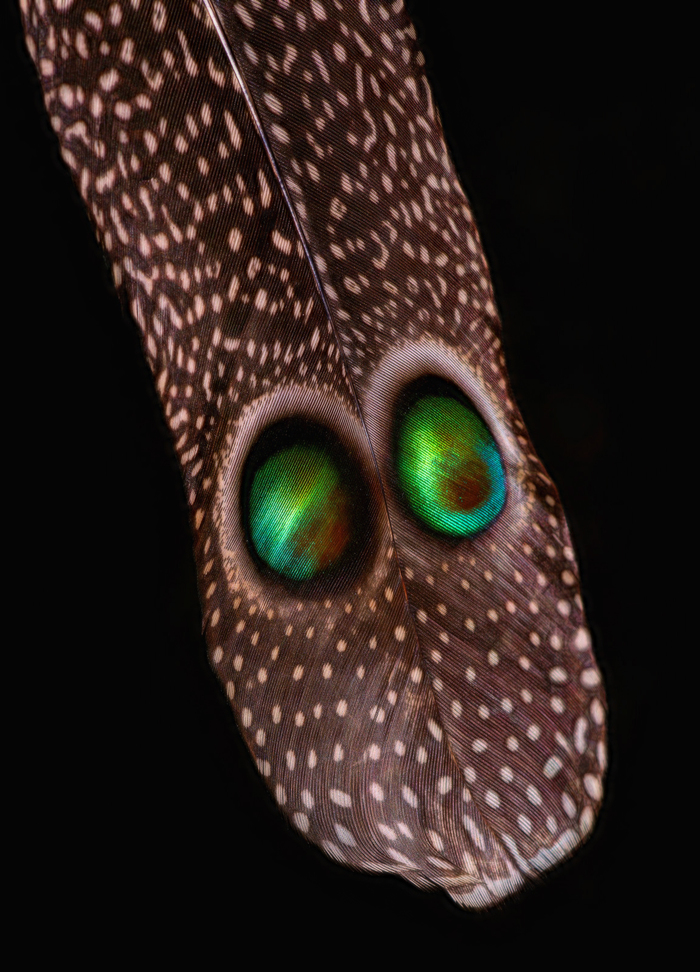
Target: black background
575,140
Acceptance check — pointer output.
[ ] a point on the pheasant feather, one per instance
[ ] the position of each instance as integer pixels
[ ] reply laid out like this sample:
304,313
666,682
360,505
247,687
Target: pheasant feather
389,592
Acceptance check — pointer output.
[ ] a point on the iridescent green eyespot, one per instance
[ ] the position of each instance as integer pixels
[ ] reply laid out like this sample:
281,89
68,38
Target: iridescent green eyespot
447,463
300,504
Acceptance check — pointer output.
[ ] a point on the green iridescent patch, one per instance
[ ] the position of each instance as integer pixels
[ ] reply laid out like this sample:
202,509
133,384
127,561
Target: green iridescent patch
448,465
299,511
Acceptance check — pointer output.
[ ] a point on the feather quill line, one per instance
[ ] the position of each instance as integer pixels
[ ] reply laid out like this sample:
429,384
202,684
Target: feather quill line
257,121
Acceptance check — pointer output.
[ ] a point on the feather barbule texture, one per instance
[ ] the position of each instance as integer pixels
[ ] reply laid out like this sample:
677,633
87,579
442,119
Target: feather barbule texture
271,185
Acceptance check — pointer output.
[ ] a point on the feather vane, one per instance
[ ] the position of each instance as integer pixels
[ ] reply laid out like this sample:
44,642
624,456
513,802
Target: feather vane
271,184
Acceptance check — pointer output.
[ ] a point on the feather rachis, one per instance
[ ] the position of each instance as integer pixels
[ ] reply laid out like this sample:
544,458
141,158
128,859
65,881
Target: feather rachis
210,366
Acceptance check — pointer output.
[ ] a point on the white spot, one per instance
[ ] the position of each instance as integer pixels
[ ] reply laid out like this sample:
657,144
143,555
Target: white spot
524,823
344,835
585,821
409,796
317,10
301,821
552,767
339,798
273,103
593,786
474,832
492,799
158,17
436,840
109,80
399,857
590,678
434,729
65,93
568,805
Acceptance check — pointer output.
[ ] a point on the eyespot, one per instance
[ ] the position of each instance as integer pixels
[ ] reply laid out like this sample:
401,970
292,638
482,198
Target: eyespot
302,502
447,463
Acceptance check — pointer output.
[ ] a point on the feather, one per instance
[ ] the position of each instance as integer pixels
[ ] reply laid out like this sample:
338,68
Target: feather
389,594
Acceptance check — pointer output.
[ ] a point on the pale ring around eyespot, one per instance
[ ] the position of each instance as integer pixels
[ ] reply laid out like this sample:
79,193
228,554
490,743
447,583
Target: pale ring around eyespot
413,360
291,401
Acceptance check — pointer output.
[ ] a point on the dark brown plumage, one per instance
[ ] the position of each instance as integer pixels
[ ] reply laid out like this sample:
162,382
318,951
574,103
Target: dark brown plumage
439,714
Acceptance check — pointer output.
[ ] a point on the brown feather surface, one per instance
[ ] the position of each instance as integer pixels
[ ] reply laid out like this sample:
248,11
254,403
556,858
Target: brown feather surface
271,184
